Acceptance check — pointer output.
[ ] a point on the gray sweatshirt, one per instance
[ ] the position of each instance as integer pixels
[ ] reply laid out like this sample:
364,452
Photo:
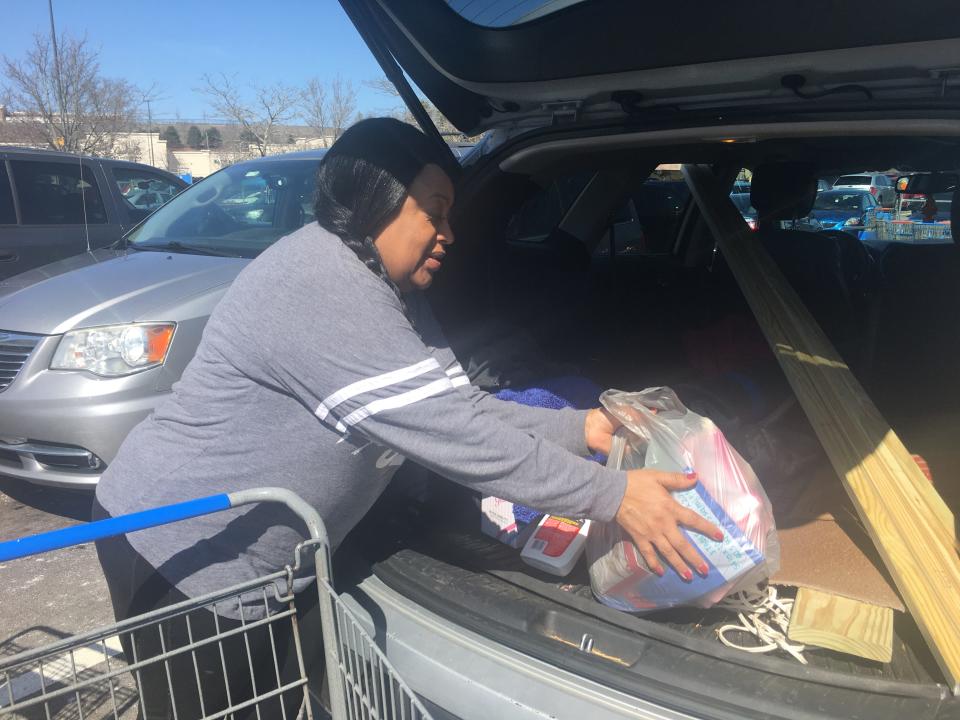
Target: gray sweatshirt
311,377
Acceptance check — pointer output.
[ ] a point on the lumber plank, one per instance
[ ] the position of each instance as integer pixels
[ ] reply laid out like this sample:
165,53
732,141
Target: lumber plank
842,624
910,524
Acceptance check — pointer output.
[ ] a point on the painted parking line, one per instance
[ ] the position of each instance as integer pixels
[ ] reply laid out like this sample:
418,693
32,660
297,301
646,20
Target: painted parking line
57,672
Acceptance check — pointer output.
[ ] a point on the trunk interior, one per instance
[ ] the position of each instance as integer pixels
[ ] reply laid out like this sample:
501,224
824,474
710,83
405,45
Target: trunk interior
669,314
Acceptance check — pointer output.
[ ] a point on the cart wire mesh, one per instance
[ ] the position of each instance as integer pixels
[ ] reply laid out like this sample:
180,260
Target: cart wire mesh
908,231
235,653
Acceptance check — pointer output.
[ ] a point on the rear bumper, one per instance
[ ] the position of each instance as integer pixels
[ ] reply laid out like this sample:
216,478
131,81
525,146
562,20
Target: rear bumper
467,675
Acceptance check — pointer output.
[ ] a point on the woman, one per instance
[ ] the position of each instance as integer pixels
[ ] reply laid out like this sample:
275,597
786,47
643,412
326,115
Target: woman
320,370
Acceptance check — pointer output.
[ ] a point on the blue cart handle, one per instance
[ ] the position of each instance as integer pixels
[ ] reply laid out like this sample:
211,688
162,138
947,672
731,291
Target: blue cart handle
121,524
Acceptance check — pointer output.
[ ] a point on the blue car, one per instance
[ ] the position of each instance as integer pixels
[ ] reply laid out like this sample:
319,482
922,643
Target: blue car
846,210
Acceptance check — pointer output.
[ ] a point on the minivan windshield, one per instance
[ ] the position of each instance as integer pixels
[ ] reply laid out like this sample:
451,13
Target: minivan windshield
239,211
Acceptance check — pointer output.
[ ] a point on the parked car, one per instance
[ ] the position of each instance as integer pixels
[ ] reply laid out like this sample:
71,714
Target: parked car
469,627
54,205
92,342
877,184
848,210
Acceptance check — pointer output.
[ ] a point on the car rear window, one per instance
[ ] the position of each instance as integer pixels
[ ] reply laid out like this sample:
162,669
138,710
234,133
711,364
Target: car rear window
853,180
143,191
839,201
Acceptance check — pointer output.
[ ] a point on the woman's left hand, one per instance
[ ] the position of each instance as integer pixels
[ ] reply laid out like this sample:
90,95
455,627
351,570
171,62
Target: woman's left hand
599,429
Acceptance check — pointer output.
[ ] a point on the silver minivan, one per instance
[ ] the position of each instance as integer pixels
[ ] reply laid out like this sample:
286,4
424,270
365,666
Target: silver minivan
89,344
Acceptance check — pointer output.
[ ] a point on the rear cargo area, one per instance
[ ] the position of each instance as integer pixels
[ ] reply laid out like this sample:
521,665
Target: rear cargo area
646,325
631,320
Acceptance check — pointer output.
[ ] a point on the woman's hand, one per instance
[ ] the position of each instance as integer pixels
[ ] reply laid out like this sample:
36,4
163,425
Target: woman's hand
653,518
599,429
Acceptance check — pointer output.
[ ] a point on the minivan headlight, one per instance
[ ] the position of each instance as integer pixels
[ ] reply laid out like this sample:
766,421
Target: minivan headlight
114,350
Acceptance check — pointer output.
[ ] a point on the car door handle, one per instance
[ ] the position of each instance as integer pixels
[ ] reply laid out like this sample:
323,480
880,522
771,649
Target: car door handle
8,256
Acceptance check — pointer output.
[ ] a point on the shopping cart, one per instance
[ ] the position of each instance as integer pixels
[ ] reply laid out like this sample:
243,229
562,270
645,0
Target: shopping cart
895,230
932,232
84,676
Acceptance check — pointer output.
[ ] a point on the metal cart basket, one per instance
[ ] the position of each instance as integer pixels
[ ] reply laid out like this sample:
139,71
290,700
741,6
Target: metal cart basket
87,676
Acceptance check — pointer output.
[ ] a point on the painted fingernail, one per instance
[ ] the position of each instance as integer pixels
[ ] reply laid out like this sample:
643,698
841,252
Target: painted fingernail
658,571
691,474
718,536
687,575
703,569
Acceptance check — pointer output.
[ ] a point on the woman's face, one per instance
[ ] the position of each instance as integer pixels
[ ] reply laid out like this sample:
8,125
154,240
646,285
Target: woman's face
414,243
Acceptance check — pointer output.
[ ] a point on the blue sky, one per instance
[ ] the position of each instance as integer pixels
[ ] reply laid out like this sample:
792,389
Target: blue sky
173,42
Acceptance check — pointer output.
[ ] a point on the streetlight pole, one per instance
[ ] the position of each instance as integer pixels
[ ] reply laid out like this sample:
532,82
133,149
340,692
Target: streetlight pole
56,64
150,131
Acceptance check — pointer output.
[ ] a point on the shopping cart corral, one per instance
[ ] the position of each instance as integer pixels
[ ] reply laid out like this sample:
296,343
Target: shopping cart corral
112,672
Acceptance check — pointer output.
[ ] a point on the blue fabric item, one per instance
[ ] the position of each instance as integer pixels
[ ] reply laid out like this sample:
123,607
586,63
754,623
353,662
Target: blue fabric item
568,391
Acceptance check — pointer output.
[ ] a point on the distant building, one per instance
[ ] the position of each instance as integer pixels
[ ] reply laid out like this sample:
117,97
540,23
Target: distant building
143,147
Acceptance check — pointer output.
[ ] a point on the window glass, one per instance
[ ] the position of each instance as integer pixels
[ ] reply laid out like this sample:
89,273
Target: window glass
645,223
55,193
240,210
538,216
143,192
660,205
7,214
839,200
853,180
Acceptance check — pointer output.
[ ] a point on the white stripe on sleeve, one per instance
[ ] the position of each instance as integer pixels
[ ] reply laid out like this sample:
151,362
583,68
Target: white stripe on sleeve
397,401
375,383
460,380
455,369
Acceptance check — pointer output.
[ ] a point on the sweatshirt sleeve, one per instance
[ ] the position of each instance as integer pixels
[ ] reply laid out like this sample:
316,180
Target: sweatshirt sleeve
360,367
565,427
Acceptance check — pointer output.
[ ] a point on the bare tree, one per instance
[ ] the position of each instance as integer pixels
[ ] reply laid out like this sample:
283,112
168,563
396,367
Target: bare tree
315,110
383,86
84,112
343,105
329,108
257,116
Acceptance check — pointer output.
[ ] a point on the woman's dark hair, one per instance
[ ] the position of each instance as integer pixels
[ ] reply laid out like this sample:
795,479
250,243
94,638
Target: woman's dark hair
363,180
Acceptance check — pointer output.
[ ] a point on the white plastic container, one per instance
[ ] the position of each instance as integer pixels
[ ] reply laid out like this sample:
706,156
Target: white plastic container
556,545
510,523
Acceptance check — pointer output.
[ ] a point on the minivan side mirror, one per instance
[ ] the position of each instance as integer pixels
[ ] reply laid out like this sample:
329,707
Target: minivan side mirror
928,183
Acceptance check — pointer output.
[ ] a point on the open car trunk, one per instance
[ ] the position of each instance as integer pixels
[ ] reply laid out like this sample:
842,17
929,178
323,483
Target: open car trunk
667,315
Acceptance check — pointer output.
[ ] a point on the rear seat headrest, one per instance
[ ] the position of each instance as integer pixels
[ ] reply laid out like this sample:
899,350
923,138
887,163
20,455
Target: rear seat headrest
783,191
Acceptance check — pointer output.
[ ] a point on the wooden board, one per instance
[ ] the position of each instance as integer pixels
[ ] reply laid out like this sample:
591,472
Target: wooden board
908,522
842,624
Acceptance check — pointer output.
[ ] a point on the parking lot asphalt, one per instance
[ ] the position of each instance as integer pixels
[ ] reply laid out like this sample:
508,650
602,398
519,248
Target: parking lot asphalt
52,596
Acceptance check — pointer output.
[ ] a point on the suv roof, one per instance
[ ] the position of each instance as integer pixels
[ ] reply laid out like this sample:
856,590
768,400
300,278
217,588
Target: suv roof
8,150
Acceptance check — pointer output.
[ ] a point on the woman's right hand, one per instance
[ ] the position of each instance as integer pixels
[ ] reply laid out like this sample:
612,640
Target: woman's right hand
653,518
